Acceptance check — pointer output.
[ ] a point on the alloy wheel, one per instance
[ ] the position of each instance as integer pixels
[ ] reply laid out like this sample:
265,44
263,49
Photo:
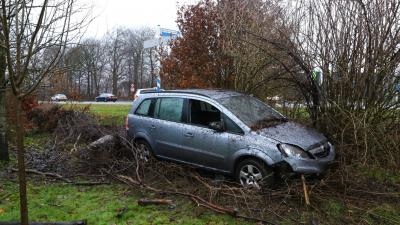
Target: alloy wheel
250,176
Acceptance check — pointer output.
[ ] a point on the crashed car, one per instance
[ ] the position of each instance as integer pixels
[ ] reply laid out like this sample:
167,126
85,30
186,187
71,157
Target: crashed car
227,132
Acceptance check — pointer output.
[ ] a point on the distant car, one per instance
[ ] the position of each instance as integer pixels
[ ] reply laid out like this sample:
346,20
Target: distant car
59,97
144,91
106,97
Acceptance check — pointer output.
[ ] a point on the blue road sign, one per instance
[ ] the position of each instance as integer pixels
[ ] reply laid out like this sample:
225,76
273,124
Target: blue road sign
158,84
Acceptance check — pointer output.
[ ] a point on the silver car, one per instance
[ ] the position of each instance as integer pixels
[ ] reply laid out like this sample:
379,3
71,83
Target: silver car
226,132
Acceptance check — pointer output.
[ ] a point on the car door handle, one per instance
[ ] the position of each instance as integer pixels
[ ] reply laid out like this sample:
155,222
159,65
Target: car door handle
189,135
152,127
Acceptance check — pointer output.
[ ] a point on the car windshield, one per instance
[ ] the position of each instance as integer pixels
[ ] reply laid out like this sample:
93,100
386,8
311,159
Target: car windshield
252,111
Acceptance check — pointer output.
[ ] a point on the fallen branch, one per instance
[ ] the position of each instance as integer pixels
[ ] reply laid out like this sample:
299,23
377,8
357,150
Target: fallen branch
58,176
45,174
82,222
198,200
157,201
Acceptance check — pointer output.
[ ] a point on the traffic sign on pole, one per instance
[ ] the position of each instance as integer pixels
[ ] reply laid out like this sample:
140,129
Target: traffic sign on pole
158,84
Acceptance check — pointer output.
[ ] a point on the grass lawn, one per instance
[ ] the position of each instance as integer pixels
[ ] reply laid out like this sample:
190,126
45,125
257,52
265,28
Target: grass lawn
107,114
100,205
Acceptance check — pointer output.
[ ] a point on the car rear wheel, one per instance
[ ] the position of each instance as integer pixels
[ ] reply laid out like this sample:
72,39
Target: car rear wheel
144,150
253,173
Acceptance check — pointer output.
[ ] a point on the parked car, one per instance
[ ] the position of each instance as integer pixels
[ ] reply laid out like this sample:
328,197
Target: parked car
106,97
144,91
58,97
227,132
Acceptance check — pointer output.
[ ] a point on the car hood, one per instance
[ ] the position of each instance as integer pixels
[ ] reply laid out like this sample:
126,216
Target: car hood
294,133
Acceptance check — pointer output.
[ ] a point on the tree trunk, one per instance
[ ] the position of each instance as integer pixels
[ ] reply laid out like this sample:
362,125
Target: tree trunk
115,82
19,129
3,126
136,70
3,120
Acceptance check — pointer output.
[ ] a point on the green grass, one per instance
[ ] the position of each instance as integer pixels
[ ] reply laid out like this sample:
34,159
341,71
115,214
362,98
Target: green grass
381,174
36,138
107,114
100,206
111,114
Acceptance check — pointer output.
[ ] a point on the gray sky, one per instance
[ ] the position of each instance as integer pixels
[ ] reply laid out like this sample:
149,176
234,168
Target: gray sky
132,14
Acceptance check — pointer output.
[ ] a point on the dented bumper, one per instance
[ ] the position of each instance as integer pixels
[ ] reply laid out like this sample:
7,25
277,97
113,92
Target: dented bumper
310,166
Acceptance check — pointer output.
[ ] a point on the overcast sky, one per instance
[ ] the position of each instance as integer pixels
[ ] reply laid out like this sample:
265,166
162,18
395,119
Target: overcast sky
132,14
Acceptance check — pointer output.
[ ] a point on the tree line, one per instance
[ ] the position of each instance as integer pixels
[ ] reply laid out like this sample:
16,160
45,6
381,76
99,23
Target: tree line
109,64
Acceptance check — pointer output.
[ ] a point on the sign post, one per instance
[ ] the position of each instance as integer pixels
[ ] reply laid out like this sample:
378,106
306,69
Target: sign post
158,84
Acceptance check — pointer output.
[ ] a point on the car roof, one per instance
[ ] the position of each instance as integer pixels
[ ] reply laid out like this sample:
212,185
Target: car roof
211,93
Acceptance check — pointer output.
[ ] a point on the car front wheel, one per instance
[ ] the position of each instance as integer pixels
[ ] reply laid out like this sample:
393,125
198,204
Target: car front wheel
253,173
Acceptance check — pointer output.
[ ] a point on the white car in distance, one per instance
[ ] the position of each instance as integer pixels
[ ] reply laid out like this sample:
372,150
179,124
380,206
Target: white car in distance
59,97
144,91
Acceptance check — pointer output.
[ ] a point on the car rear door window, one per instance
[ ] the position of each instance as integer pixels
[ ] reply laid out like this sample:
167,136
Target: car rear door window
145,108
169,109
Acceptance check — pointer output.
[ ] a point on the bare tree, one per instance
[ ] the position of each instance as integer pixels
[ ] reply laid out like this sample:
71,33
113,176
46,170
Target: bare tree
30,29
356,47
254,69
116,57
4,155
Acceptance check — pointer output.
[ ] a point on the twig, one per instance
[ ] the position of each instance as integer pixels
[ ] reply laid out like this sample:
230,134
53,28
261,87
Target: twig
5,196
303,179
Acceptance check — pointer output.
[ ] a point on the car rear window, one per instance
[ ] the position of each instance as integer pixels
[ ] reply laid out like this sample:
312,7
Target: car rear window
169,109
144,108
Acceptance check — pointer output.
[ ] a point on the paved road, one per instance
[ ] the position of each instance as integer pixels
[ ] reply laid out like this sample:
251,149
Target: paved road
91,102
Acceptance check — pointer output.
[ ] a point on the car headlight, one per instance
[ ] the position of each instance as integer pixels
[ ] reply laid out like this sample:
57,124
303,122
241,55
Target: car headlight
292,151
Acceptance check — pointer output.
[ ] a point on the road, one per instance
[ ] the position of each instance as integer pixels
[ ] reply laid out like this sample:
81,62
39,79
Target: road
91,102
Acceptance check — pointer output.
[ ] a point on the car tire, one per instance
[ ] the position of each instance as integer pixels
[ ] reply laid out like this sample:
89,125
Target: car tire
252,172
145,150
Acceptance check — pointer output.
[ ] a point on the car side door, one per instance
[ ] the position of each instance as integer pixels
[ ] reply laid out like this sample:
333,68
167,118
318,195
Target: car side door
167,127
203,145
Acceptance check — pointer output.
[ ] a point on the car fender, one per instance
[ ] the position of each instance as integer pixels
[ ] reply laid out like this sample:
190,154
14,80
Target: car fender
146,137
250,152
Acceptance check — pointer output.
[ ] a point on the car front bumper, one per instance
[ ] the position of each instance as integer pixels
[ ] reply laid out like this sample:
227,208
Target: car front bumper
311,166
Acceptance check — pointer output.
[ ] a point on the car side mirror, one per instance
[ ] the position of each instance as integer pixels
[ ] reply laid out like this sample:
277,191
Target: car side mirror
216,125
